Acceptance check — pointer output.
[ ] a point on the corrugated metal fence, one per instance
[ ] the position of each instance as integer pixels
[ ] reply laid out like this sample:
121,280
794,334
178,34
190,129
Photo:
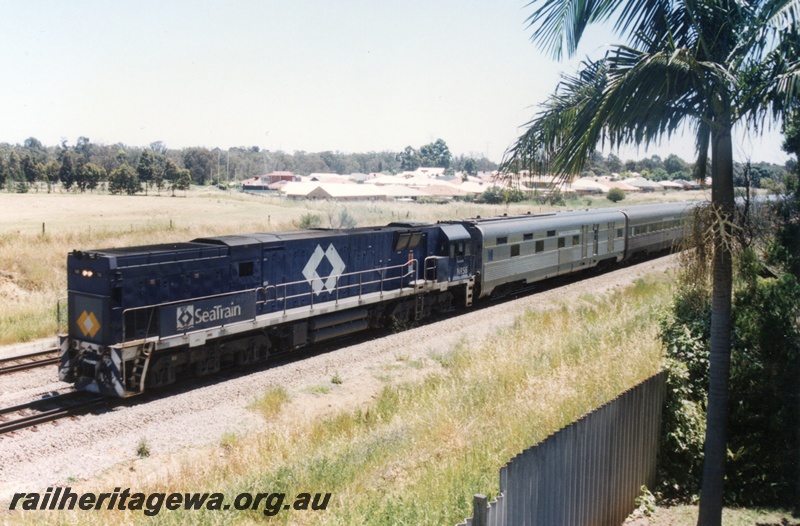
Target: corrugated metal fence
589,472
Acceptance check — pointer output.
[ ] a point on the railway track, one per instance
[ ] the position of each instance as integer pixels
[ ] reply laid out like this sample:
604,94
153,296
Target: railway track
48,409
29,361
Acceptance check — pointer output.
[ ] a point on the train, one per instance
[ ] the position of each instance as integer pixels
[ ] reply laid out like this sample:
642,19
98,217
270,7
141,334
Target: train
138,318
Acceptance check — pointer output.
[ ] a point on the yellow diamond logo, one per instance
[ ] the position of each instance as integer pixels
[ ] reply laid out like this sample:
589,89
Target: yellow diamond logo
88,324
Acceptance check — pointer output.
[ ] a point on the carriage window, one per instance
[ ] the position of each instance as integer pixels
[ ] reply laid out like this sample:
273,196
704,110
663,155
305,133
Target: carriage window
561,242
514,251
576,240
619,232
527,237
551,233
502,240
490,255
540,246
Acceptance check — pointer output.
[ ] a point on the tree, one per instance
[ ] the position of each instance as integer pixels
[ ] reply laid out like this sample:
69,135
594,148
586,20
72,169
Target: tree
614,163
435,154
674,164
66,173
470,166
199,162
123,179
704,64
51,171
182,182
32,169
145,169
91,176
409,159
83,149
35,149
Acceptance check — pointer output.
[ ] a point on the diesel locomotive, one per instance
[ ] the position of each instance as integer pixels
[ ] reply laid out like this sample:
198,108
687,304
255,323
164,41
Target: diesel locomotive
137,318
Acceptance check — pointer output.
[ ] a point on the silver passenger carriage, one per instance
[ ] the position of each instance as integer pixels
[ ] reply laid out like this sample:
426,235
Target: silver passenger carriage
656,227
519,250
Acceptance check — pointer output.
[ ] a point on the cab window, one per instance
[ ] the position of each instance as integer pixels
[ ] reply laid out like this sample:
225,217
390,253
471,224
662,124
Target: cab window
459,249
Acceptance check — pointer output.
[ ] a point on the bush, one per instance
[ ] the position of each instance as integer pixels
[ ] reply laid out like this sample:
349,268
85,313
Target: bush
497,195
615,195
310,221
763,465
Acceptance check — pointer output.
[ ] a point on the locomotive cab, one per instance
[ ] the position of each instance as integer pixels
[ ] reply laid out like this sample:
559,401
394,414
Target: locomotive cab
454,260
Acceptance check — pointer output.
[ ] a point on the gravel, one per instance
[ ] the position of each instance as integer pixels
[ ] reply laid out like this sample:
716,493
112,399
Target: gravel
79,448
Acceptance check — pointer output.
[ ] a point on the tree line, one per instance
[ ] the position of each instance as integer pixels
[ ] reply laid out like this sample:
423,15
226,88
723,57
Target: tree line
120,168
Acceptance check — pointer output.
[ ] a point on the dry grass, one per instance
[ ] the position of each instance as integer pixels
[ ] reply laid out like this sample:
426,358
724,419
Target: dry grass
420,450
33,265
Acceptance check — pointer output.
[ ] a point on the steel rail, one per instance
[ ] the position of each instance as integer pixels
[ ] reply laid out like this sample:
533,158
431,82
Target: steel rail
50,414
28,365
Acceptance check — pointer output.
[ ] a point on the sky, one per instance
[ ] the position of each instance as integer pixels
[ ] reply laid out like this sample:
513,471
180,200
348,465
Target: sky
301,75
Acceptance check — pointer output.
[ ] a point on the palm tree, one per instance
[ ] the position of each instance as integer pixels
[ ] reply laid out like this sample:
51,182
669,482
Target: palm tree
704,65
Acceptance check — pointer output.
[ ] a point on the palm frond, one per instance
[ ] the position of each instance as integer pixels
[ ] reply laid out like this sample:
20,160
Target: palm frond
559,25
783,14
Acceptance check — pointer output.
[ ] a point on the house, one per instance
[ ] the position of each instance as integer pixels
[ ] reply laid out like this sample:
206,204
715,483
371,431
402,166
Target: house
643,184
262,182
339,192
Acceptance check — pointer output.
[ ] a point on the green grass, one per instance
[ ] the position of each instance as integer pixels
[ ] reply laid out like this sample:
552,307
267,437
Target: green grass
687,515
271,402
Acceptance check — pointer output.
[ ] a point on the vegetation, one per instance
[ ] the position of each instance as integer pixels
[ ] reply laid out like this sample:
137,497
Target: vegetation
87,166
706,64
417,452
615,195
497,195
763,466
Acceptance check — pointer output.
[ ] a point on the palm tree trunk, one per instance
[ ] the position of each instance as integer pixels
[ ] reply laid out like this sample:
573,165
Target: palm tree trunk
711,500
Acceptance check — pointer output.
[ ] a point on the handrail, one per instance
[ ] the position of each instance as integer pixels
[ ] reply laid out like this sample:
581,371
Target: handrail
434,268
176,302
412,272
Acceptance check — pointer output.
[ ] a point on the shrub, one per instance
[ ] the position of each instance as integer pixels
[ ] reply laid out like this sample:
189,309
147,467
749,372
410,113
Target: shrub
615,195
143,448
310,221
498,195
764,394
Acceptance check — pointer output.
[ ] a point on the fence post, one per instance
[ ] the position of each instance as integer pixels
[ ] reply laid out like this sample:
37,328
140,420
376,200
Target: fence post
479,508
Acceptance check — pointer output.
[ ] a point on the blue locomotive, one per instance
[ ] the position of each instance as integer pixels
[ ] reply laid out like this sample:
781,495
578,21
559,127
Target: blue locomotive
139,317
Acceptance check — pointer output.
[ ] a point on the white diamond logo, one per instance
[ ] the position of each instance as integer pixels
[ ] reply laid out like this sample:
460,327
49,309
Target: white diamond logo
320,283
184,317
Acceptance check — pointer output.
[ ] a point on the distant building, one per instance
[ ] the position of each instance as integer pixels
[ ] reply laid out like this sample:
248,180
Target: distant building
262,182
332,191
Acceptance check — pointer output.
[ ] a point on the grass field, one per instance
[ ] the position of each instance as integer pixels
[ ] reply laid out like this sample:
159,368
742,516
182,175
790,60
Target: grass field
33,263
419,451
